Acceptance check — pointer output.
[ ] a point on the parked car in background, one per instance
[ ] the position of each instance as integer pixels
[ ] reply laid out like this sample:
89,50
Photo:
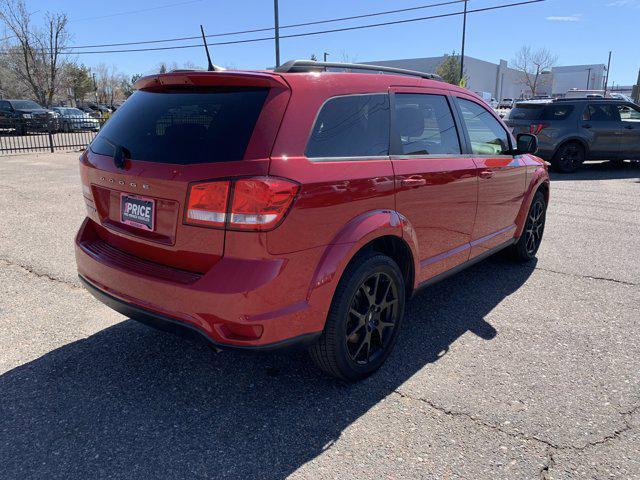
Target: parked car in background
269,209
90,111
103,109
621,96
504,107
26,116
72,119
578,93
574,130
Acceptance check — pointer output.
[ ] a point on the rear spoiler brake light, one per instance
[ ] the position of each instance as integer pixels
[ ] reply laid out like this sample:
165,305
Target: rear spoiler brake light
211,79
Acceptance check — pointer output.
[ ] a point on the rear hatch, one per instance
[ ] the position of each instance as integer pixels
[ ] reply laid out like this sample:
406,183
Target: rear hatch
177,130
537,117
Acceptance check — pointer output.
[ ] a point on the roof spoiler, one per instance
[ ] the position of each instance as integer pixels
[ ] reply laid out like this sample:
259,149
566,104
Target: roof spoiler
210,79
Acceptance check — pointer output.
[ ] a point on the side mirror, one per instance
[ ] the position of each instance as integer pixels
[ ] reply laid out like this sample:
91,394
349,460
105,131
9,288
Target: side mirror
527,143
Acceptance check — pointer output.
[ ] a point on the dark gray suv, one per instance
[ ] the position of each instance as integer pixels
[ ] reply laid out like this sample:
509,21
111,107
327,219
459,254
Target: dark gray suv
572,131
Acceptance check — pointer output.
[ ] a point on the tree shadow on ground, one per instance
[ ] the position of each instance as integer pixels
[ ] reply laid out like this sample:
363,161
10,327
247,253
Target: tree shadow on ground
130,402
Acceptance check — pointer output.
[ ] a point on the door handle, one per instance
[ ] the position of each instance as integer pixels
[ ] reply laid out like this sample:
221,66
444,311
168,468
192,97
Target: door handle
629,127
413,182
586,125
486,174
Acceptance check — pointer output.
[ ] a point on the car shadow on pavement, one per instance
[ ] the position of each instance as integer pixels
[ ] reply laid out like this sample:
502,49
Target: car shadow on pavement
601,171
130,402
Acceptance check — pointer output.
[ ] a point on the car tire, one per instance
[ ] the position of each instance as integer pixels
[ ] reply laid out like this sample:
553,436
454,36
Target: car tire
569,157
525,249
362,324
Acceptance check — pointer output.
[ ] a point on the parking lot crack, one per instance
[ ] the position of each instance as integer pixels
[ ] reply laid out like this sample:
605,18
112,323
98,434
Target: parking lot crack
548,464
553,447
589,277
31,271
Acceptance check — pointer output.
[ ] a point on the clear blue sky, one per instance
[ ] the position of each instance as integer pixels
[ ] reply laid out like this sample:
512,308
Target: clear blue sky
577,31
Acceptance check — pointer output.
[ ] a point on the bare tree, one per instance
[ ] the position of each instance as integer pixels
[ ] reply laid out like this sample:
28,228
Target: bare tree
34,54
109,82
533,65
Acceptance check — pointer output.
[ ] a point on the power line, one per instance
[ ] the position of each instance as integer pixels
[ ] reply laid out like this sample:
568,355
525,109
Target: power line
319,32
257,30
141,10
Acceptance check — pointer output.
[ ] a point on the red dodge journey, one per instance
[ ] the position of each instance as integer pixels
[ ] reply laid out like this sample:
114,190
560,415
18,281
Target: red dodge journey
300,206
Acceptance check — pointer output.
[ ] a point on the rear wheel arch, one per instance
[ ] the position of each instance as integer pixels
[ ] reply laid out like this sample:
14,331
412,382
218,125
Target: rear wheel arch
397,249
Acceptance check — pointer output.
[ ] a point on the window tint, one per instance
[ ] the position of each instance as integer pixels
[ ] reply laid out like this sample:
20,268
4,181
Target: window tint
425,125
524,111
629,113
486,134
183,127
557,112
351,126
26,104
602,113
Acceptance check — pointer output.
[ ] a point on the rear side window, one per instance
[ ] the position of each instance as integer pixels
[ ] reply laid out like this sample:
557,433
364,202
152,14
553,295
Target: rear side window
557,112
351,126
183,127
526,112
425,125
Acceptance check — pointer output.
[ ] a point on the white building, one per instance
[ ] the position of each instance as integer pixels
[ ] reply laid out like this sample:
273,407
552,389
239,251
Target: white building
583,77
501,81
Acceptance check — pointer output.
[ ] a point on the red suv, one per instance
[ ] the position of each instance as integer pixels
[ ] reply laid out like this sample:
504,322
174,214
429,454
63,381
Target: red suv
263,209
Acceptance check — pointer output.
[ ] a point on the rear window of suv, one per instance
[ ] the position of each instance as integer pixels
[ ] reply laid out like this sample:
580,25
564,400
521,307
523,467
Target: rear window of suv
547,112
183,127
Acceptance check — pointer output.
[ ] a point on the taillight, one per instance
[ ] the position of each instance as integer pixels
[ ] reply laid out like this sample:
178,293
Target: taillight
536,128
258,203
207,204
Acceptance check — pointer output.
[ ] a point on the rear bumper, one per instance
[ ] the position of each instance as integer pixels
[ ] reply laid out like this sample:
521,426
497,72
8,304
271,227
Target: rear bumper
173,325
238,303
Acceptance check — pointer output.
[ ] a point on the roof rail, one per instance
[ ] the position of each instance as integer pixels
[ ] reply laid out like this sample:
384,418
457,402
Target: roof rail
584,99
293,66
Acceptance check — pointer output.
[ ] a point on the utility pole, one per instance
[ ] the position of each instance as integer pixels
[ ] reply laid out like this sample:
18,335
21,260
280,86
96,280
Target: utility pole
588,76
606,83
277,31
464,34
325,56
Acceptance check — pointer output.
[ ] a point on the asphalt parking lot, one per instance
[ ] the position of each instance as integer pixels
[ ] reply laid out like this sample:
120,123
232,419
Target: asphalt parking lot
502,371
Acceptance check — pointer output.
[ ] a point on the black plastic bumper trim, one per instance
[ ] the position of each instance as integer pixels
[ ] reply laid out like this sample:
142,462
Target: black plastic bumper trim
172,325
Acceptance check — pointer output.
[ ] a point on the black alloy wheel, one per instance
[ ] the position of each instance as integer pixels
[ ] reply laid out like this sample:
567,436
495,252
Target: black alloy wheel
527,246
364,318
372,318
568,158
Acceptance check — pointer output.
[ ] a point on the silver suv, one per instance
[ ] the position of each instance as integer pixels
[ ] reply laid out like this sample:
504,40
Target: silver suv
572,131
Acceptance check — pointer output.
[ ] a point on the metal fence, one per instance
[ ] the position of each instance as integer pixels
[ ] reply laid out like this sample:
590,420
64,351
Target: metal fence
48,134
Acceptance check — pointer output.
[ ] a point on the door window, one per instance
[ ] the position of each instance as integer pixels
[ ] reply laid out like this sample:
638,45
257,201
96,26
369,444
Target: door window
425,125
629,113
601,113
487,136
351,126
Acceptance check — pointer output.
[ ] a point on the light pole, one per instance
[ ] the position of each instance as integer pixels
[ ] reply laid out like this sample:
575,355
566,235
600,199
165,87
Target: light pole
589,77
277,31
464,33
325,55
606,83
